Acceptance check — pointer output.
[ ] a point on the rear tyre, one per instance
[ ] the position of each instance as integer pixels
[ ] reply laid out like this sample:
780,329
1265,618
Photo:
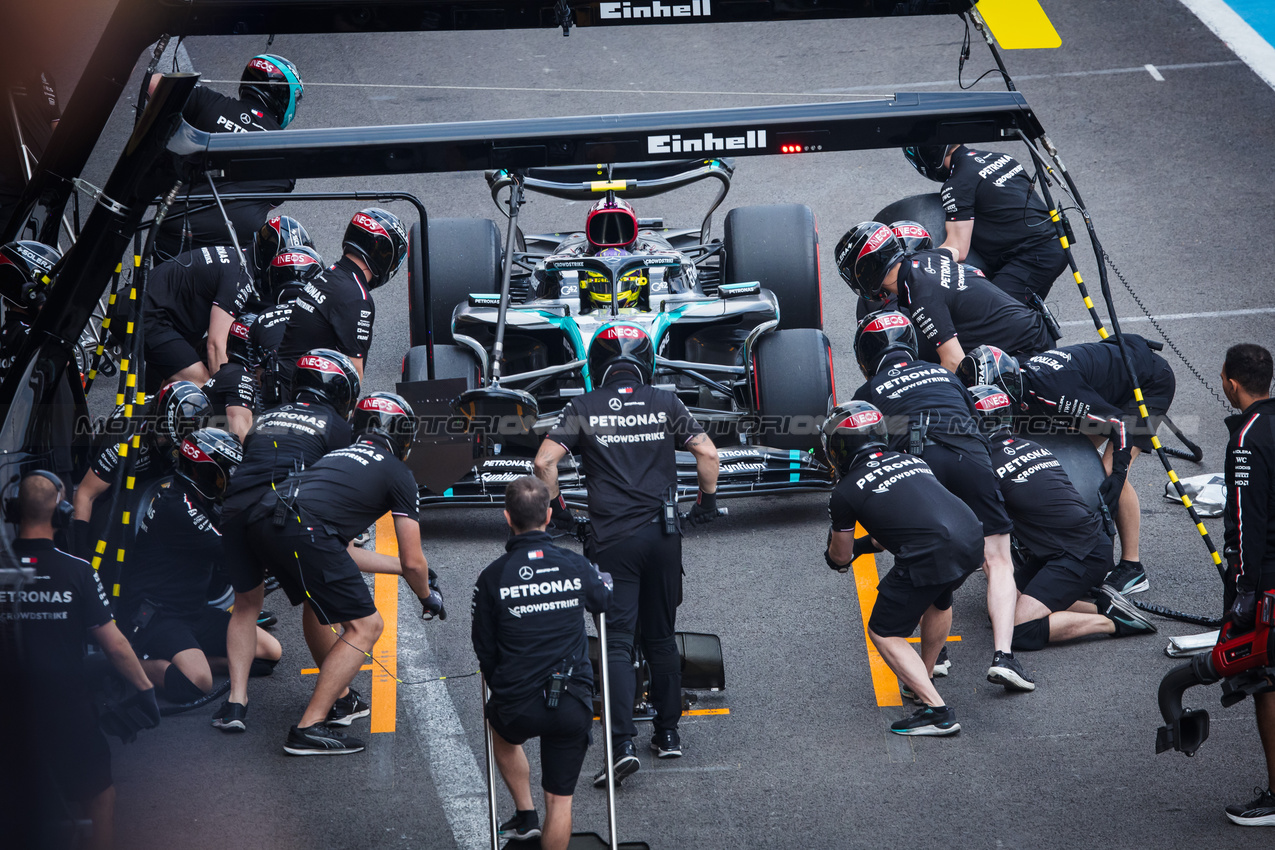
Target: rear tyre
777,245
926,210
792,384
459,256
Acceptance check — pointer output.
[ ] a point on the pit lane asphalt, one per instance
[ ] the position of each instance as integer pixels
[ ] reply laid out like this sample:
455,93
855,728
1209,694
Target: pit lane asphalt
1176,175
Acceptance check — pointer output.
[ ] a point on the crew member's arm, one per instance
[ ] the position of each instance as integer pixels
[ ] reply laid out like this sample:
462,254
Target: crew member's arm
546,464
91,486
706,463
219,322
121,655
842,548
597,589
407,530
957,241
239,420
951,354
482,628
375,562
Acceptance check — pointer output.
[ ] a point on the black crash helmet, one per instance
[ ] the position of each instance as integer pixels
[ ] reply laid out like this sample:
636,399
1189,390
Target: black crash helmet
852,427
279,233
379,238
865,256
621,345
881,334
995,408
181,408
386,415
928,160
207,459
328,375
238,348
274,82
290,270
913,235
987,364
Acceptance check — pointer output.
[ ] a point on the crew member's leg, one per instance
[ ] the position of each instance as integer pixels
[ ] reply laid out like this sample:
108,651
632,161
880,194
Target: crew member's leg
623,561
1031,271
1260,811
241,641
661,593
563,745
556,834
247,576
511,759
1129,576
101,811
1049,610
341,665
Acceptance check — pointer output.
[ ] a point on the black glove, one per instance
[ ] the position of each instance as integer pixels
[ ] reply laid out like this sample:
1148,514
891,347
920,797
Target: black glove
1109,489
561,516
705,510
144,707
863,546
841,568
1242,610
432,605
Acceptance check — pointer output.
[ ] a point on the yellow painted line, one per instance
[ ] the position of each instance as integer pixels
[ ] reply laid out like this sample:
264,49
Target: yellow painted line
314,671
700,712
384,682
884,682
950,639
1019,24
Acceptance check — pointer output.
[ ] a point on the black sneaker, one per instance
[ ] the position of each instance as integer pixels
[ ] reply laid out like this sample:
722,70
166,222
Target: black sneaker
266,619
230,717
928,720
666,744
522,826
626,764
1127,618
320,740
1006,671
347,709
1128,577
1257,812
943,666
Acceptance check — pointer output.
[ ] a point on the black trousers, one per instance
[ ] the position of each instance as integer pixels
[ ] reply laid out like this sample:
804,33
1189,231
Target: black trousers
647,571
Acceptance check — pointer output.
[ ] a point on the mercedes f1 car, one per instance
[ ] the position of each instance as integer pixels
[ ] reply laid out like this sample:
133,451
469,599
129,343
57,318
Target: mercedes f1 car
734,319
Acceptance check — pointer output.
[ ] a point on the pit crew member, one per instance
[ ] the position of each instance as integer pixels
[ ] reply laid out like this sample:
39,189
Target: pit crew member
528,633
1063,546
302,530
233,389
934,550
627,433
950,308
936,421
992,207
1250,532
286,275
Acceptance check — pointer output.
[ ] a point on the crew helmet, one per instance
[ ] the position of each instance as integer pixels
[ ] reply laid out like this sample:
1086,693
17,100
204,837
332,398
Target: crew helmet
987,364
387,415
279,233
207,459
181,408
378,237
239,348
327,375
928,160
275,82
865,256
290,270
994,406
623,346
23,267
852,427
880,334
913,235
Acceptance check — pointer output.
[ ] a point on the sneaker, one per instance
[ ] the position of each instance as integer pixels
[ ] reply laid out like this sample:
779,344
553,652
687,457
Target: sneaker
1006,671
943,666
522,826
666,744
909,694
626,764
1128,619
1257,812
928,720
266,619
347,709
1128,577
230,717
320,740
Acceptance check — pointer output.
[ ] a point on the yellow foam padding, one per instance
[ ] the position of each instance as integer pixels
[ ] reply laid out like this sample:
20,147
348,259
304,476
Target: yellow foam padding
132,379
124,520
1204,532
1065,243
1186,500
1173,476
119,399
1088,302
1142,409
141,398
129,329
1217,559
1155,442
115,590
1078,278
119,267
124,365
137,261
1137,394
119,555
1019,24
131,482
123,450
608,185
92,374
1053,215
101,547
1102,332
97,562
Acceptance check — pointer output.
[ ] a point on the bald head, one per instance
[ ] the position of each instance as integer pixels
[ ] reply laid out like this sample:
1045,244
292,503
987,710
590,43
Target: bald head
37,498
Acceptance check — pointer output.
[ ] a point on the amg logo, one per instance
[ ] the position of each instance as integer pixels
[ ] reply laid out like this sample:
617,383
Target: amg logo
676,144
618,11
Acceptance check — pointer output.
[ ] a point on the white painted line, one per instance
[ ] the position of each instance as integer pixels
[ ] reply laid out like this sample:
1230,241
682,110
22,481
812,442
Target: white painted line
1236,33
1155,75
1168,317
460,785
1096,72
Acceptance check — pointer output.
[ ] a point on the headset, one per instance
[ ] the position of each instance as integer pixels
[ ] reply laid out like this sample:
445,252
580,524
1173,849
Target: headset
62,514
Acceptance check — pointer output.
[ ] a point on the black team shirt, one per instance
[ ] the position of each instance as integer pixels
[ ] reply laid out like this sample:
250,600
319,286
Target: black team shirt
1050,517
183,291
333,311
933,536
946,302
908,389
177,547
995,192
348,489
283,440
628,435
1250,496
528,617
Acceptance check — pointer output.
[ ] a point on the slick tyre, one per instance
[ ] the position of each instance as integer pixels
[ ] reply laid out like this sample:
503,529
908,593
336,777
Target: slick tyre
459,256
927,210
778,245
792,409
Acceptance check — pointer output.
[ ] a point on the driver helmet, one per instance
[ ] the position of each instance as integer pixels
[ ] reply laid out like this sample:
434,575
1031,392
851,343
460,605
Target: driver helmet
279,233
913,235
596,290
621,347
611,224
987,364
851,428
928,160
881,334
274,82
865,256
23,267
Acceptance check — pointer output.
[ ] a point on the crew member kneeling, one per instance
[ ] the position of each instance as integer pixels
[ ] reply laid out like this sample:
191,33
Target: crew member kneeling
935,538
529,637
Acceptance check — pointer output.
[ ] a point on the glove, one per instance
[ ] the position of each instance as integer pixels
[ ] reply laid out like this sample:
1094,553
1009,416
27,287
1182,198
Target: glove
1109,489
863,546
841,568
432,605
143,706
561,516
705,510
1242,610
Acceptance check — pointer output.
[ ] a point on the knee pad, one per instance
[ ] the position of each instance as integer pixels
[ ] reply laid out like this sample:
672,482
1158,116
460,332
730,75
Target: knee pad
1030,636
620,648
663,657
261,667
179,689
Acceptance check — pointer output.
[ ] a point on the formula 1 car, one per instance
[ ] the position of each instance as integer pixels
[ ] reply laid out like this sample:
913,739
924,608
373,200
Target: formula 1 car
733,320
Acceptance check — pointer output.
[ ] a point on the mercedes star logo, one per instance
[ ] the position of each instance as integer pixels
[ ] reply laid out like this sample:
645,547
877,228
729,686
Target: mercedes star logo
526,573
